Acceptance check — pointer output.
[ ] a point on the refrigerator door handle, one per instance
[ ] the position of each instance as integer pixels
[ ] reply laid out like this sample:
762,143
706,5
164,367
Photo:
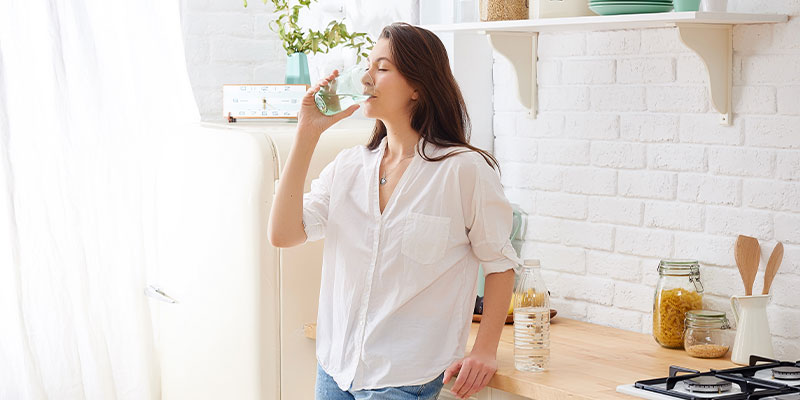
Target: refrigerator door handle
158,294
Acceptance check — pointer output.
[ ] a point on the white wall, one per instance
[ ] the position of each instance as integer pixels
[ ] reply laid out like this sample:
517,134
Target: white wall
227,43
627,164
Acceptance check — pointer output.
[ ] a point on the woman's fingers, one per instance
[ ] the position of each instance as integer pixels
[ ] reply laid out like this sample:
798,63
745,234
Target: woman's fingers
323,82
451,371
346,113
333,75
314,89
461,388
480,383
469,384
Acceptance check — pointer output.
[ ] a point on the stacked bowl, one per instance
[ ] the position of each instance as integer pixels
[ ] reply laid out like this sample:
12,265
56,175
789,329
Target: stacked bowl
614,7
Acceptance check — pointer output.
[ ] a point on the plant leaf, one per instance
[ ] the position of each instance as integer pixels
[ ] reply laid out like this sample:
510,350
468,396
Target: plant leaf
295,40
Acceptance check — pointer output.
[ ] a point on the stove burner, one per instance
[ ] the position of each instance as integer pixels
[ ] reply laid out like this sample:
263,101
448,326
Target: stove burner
786,373
707,384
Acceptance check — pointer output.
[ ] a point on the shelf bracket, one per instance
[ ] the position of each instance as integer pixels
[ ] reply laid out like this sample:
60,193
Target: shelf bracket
714,46
520,49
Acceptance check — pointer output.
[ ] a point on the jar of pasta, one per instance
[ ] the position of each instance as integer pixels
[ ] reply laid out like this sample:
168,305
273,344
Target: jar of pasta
678,291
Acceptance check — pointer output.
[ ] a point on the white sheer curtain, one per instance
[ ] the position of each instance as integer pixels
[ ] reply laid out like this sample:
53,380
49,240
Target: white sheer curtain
87,90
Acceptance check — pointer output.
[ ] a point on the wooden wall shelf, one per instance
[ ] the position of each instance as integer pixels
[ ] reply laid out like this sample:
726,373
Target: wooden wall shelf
707,34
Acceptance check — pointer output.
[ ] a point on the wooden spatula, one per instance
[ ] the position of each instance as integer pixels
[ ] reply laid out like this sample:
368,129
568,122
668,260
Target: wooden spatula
772,266
748,254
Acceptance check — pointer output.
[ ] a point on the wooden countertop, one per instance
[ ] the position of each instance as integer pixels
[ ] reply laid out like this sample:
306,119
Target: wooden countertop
587,361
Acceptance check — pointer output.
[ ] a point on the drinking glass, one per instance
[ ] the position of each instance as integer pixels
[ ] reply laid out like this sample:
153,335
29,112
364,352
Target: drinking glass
344,91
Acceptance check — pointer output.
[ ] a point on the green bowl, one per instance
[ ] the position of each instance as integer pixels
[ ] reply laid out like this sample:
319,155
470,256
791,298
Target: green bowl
628,3
615,9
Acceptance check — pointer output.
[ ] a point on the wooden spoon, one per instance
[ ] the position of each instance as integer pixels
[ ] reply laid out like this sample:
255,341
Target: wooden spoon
748,255
772,266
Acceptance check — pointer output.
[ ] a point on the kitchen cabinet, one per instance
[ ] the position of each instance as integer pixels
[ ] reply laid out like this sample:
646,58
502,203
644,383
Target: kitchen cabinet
587,361
707,34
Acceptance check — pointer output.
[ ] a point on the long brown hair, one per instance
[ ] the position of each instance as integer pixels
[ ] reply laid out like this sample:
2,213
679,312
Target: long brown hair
439,114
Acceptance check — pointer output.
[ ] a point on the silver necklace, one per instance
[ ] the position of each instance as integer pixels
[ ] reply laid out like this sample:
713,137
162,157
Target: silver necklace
385,172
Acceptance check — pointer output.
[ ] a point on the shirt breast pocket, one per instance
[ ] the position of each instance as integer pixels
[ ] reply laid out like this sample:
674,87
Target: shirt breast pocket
425,237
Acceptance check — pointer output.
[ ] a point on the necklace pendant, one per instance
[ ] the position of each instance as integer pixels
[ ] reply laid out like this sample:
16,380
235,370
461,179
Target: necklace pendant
383,181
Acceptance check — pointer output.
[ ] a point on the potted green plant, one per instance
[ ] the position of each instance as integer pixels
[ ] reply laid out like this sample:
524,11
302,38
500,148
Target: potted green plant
298,42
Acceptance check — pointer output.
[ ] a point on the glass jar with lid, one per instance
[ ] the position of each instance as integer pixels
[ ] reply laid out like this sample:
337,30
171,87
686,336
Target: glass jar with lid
707,334
678,290
503,10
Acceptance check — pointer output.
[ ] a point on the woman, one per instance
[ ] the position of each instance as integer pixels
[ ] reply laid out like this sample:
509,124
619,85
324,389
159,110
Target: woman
407,220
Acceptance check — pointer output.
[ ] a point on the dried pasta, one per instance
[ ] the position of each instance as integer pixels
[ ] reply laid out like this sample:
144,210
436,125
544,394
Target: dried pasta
669,312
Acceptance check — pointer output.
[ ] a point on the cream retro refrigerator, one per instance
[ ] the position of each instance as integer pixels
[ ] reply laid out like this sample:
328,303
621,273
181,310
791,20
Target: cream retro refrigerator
228,308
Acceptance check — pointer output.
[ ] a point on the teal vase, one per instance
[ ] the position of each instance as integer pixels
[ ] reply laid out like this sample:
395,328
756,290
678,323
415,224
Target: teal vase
297,69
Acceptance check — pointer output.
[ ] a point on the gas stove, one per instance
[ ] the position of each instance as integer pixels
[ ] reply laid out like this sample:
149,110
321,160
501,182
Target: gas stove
763,379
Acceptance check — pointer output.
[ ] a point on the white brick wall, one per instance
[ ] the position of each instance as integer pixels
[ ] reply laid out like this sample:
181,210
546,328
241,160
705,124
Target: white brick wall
591,126
649,128
587,180
564,152
618,98
615,210
561,205
677,157
612,265
582,72
709,189
633,166
647,184
738,161
618,154
779,132
643,242
787,100
677,216
646,70
587,235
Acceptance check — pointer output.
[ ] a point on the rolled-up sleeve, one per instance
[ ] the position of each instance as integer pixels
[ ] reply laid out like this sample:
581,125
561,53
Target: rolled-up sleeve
489,218
316,204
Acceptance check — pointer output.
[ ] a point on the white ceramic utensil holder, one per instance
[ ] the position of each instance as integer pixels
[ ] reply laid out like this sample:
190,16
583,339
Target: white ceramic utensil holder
752,328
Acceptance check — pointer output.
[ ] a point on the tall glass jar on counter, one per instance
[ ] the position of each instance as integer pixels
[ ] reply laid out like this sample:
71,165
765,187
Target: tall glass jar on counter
678,290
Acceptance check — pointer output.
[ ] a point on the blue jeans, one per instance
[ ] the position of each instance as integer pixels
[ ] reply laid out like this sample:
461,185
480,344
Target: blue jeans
327,389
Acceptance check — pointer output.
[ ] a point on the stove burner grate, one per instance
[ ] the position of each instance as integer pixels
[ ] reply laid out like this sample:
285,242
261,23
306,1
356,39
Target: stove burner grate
753,382
786,373
707,384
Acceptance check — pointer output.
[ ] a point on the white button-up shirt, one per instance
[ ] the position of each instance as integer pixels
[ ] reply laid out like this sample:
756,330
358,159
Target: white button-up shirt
398,288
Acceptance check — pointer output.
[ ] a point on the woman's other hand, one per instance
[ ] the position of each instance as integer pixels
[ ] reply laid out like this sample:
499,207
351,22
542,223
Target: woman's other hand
474,373
311,118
